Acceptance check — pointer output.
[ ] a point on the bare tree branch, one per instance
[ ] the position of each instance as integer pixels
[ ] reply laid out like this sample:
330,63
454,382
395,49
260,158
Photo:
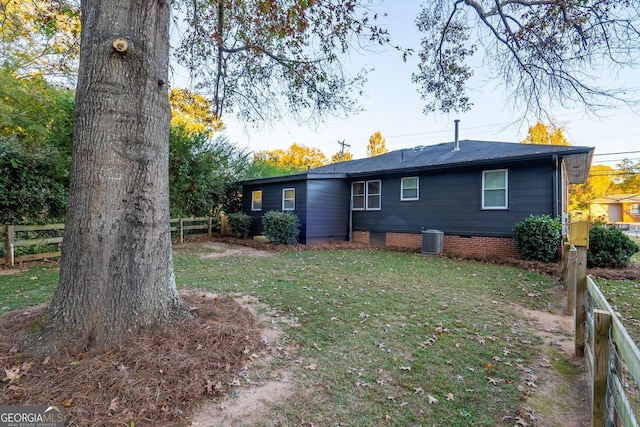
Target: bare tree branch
548,53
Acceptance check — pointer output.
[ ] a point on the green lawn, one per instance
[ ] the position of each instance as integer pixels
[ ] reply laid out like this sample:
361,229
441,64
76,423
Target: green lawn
378,335
374,337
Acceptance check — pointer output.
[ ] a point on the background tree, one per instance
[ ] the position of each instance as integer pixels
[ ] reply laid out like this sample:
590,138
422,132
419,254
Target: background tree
541,134
627,177
547,53
296,158
35,149
599,184
203,172
341,156
39,37
263,168
261,58
377,145
193,113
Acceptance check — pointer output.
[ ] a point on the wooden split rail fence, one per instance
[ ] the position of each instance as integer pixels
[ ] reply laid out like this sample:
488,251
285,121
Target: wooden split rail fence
611,356
13,237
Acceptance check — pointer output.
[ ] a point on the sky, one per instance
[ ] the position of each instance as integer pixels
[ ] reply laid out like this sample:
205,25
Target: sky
393,106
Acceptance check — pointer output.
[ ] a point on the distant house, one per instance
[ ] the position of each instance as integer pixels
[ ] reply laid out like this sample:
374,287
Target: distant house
620,209
472,191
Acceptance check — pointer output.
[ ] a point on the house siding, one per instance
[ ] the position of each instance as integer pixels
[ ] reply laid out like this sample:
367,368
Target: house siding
450,195
327,211
452,202
272,201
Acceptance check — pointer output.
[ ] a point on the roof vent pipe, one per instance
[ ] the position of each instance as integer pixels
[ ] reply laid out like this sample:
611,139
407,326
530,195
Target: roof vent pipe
456,142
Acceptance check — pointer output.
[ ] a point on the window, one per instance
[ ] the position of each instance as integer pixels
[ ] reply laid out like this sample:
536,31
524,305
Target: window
373,195
256,200
357,196
365,195
409,188
635,209
494,189
289,199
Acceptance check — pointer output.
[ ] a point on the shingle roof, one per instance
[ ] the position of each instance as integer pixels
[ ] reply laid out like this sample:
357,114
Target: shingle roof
443,155
440,155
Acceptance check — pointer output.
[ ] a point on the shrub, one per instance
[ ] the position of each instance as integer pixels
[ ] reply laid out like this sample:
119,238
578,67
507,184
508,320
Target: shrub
281,228
239,224
609,247
538,238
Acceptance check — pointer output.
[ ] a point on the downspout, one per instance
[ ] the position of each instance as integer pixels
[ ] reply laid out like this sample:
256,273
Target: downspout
555,187
351,218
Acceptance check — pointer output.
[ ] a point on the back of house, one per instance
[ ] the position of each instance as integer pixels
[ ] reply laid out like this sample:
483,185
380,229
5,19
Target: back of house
473,192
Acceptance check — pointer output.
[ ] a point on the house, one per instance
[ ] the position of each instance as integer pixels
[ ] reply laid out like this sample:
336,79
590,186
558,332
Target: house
474,192
620,209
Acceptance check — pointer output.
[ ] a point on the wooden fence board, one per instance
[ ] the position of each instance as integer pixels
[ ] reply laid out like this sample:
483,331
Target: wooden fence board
38,227
627,349
35,257
33,242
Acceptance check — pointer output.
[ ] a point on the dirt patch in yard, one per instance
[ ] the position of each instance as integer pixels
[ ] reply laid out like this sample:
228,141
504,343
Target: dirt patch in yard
561,389
224,250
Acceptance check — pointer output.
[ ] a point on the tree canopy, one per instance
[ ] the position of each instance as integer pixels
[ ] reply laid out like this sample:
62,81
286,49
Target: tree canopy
545,135
296,158
40,36
203,172
35,149
193,112
261,59
377,145
547,53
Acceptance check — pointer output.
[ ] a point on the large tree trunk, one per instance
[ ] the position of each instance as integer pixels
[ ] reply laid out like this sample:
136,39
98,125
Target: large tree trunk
116,274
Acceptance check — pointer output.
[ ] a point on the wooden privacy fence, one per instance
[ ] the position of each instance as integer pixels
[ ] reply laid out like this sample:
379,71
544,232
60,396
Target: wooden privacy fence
14,237
611,356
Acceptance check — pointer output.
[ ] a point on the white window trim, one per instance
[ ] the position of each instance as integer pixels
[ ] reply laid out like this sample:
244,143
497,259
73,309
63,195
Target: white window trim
365,206
284,191
406,199
366,187
635,211
364,195
506,189
253,208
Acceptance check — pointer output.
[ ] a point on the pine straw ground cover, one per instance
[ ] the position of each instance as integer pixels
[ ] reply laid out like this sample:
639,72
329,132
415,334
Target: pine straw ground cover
146,380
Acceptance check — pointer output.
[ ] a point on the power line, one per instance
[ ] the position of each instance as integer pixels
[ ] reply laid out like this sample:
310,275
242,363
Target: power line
618,153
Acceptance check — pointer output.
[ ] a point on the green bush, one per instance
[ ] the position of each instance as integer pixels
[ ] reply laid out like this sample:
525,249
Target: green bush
609,247
240,224
281,228
538,238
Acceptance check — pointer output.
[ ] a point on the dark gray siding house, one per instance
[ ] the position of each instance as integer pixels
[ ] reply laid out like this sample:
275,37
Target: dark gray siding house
472,191
320,202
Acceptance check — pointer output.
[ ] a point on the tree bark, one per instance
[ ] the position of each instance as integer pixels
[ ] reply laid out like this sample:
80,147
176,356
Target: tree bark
116,272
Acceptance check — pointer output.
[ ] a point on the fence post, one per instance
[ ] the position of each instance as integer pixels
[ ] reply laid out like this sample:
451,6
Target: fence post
11,259
224,225
210,222
570,278
581,287
602,326
181,225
